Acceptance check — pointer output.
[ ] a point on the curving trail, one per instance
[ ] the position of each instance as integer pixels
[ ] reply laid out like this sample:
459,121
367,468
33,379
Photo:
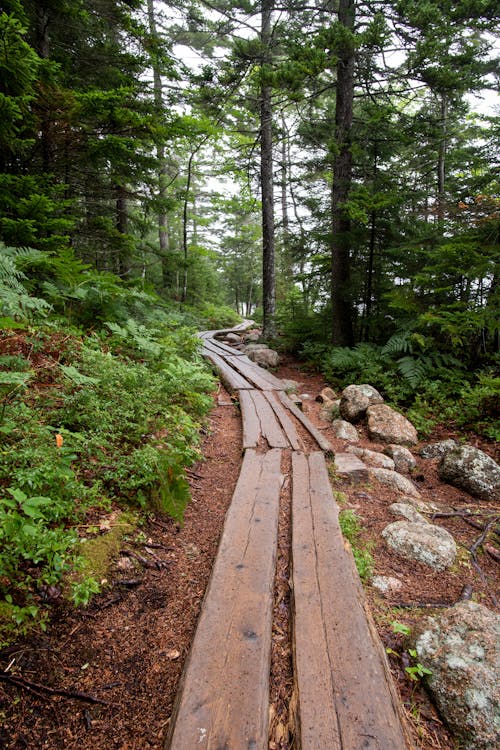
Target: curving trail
342,687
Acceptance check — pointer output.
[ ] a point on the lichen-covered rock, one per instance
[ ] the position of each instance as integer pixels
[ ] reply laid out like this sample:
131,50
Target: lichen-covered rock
424,542
407,511
461,647
330,410
355,400
386,584
404,460
345,430
290,386
252,335
264,357
395,481
232,338
436,450
372,458
471,470
389,426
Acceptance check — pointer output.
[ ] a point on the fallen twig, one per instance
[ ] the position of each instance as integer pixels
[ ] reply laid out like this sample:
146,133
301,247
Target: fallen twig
35,688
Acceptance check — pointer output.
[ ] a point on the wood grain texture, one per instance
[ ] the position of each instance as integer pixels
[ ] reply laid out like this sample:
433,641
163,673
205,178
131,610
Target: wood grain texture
223,701
327,590
269,425
250,420
285,421
231,379
323,443
257,375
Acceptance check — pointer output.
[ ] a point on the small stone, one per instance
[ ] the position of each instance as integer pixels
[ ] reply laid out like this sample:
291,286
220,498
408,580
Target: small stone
232,338
408,512
345,430
372,458
404,461
329,410
264,357
356,399
290,386
424,542
389,426
436,450
327,394
386,584
350,467
396,481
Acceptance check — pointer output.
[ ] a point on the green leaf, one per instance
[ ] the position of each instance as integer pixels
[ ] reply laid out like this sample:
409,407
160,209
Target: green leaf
76,376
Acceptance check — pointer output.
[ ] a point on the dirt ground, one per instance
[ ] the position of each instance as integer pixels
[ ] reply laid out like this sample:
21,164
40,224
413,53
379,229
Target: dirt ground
105,677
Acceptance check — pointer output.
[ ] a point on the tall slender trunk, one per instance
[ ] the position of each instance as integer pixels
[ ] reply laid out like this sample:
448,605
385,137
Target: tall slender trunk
342,328
266,178
123,260
441,165
160,150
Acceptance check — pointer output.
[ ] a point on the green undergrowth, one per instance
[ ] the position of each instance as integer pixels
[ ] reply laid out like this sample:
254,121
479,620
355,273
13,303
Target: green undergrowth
351,528
92,418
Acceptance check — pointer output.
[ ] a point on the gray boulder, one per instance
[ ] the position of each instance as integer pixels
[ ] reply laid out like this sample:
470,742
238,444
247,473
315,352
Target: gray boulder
407,511
395,481
436,450
264,357
372,458
345,430
471,470
232,338
386,585
461,647
355,400
404,461
389,426
424,542
330,410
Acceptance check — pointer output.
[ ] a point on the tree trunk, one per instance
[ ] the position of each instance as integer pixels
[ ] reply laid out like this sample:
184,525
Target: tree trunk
441,166
123,264
160,150
342,328
266,179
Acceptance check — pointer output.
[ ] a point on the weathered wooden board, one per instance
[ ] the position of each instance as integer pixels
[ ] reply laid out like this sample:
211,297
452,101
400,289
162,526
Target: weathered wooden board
285,421
223,700
250,420
269,425
256,374
231,379
337,655
220,348
323,443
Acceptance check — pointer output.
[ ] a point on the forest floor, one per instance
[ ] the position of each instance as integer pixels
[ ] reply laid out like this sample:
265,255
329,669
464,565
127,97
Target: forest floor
105,677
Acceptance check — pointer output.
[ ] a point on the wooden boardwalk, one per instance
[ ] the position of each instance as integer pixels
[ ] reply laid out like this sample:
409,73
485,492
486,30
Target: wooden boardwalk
345,696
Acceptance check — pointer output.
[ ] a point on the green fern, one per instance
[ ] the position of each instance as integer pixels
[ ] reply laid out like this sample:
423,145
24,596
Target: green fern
414,370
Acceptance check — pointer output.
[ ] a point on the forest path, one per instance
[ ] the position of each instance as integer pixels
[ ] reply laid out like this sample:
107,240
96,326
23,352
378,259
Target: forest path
342,696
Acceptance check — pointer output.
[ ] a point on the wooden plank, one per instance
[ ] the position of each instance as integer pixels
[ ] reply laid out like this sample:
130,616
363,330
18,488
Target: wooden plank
366,707
231,379
271,379
269,425
318,725
256,374
323,443
222,349
285,421
223,701
250,420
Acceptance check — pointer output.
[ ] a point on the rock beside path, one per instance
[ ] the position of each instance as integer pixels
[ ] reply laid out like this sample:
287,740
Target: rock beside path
372,458
386,584
262,355
404,461
395,481
407,511
345,430
424,542
471,470
389,426
461,647
356,399
436,450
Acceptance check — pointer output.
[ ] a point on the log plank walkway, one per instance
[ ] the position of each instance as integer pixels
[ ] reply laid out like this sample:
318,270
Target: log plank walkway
345,696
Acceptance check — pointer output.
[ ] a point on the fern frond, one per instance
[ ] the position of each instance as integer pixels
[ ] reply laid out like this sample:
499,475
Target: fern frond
413,370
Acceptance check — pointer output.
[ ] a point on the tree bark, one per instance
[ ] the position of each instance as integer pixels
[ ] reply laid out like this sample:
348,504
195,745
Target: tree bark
342,328
160,150
266,179
441,166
